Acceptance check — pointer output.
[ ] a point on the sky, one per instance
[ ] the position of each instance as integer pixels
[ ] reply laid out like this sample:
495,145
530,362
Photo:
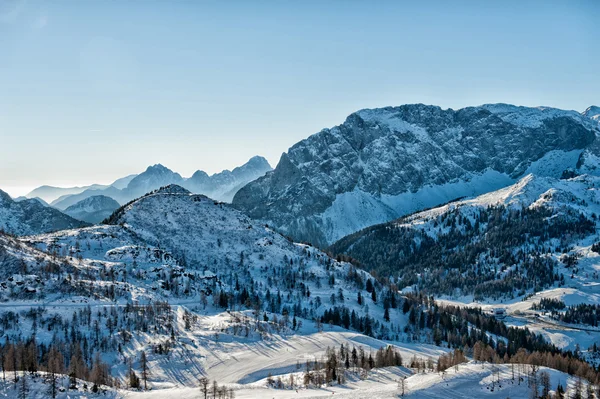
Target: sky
95,90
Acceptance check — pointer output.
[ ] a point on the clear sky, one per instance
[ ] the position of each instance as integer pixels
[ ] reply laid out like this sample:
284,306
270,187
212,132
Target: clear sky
94,90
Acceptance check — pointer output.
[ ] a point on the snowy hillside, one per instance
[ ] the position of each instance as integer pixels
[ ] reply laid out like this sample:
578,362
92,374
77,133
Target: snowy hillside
487,246
30,216
187,287
384,163
204,258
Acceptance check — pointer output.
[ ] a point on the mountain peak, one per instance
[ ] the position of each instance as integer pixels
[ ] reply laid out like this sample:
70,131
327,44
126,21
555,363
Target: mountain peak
158,168
258,160
172,189
4,197
592,112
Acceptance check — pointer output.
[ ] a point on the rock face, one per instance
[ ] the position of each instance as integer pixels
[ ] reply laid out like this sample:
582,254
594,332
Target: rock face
93,209
29,217
383,163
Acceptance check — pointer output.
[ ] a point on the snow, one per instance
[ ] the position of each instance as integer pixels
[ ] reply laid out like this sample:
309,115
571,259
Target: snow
532,116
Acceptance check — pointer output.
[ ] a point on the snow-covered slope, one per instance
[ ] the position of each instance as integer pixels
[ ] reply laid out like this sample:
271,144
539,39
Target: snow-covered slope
243,301
172,229
93,209
31,217
500,245
203,257
384,163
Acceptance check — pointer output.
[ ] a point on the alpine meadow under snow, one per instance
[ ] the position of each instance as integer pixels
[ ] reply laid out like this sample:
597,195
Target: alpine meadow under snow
411,252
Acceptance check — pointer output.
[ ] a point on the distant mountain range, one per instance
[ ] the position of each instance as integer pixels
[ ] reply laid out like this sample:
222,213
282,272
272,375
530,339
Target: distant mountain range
76,206
220,186
383,163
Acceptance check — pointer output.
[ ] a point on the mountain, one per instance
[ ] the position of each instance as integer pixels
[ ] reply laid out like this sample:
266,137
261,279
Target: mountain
220,186
137,185
123,181
69,200
223,186
384,163
592,112
51,193
29,217
23,198
152,178
93,209
503,244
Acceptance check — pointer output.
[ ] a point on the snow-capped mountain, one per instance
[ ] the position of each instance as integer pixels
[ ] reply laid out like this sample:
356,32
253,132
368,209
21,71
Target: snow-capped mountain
592,112
220,186
93,209
384,163
30,216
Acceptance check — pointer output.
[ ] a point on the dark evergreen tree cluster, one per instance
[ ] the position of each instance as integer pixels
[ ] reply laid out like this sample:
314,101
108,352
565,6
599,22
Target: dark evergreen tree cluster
549,304
492,252
580,314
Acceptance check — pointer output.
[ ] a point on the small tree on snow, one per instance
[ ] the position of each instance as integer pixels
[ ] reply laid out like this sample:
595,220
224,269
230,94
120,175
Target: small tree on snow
144,367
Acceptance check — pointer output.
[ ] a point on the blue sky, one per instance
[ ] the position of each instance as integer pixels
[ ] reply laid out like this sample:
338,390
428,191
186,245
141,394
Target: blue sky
94,90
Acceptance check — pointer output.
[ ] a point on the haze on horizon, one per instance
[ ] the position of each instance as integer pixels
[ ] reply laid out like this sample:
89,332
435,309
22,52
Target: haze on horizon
94,91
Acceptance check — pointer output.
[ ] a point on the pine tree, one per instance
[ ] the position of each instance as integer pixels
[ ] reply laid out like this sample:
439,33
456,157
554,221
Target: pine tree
204,382
145,370
215,389
545,382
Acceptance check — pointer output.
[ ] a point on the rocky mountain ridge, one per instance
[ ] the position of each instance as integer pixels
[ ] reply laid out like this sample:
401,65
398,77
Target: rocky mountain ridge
383,163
